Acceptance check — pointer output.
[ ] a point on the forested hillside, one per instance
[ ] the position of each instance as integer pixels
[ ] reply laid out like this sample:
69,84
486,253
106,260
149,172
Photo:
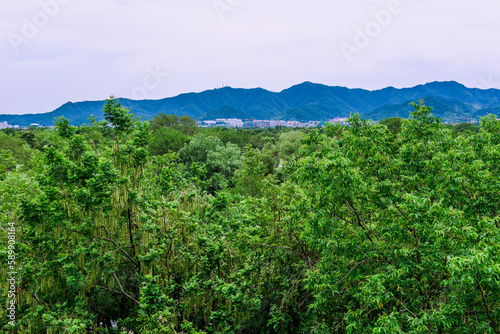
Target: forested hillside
451,101
163,227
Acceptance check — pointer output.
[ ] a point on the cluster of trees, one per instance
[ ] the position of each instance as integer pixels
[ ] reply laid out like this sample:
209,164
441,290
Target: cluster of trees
167,228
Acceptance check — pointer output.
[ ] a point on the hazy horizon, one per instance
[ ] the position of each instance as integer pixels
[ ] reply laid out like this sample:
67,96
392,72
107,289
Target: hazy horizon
55,51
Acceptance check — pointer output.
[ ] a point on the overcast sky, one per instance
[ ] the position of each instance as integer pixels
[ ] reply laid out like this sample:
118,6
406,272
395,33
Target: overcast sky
54,51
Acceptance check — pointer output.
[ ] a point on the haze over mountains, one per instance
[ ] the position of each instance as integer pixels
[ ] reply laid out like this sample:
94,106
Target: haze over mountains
452,101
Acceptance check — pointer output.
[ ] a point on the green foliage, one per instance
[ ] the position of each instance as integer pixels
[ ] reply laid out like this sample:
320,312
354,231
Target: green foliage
117,116
467,127
219,160
96,133
29,137
398,233
365,228
63,128
9,131
170,133
393,124
249,178
46,138
165,140
289,144
184,124
7,163
21,151
257,138
198,149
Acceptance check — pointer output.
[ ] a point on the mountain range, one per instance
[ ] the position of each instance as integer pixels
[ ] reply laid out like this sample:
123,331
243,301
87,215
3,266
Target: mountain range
451,101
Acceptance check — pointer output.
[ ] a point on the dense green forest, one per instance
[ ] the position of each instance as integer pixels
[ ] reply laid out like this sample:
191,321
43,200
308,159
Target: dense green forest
163,227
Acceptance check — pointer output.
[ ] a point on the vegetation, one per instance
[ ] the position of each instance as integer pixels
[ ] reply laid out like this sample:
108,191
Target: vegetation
129,227
304,102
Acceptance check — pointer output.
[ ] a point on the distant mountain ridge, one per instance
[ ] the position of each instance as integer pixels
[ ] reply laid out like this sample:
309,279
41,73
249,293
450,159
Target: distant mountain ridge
451,101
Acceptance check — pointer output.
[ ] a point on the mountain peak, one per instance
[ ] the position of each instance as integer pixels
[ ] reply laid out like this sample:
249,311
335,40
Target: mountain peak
451,100
445,84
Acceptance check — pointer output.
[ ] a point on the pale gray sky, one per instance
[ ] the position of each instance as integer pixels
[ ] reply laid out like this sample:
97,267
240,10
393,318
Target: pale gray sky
54,51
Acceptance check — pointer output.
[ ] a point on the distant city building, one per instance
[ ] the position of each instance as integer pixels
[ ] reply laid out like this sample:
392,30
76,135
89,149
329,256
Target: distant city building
229,122
207,124
263,124
340,120
311,124
238,123
278,123
5,125
249,124
234,122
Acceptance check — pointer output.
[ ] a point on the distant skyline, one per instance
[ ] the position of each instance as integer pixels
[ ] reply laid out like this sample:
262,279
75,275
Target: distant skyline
55,51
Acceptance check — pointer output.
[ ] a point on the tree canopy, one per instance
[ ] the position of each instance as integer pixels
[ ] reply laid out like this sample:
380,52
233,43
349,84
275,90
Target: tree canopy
389,227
